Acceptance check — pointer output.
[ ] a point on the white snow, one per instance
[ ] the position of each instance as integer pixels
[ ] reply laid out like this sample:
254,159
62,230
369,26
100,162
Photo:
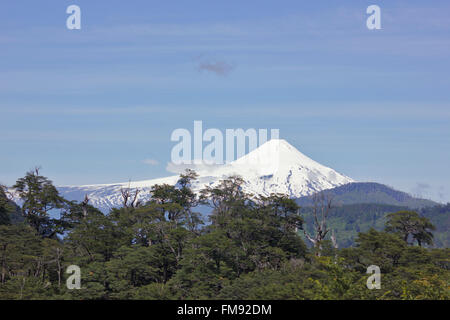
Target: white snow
274,167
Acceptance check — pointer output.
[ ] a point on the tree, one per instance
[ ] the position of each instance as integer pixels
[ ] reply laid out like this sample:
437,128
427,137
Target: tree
251,250
131,267
321,210
130,199
177,202
19,252
5,207
93,238
263,230
375,248
409,223
39,197
284,208
206,267
227,200
77,212
189,200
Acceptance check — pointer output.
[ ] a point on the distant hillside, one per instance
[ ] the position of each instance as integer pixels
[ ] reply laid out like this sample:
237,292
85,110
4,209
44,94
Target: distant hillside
440,217
348,220
369,192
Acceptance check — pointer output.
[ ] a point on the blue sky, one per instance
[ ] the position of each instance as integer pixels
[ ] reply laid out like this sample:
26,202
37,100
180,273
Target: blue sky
92,105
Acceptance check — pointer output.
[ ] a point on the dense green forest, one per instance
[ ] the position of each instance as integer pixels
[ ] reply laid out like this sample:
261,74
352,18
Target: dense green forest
349,220
251,248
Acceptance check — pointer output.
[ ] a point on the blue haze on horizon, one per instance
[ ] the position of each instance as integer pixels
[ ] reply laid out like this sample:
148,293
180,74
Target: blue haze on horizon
98,105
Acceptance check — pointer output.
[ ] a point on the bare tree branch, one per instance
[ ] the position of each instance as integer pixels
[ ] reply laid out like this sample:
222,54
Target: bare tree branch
127,195
322,204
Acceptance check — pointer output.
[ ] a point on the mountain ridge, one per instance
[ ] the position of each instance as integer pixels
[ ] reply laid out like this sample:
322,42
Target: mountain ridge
274,167
370,192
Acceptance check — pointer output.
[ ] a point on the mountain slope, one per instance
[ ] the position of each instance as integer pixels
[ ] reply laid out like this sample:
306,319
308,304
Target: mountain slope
348,220
369,192
274,167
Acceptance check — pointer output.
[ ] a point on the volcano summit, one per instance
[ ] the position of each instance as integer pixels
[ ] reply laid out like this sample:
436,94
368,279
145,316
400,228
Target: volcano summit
274,167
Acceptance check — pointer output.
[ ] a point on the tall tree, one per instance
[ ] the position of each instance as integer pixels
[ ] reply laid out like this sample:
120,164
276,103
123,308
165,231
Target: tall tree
5,207
39,197
321,210
410,223
227,200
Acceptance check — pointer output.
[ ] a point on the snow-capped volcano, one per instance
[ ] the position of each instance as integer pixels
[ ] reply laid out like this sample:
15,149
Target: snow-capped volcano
274,167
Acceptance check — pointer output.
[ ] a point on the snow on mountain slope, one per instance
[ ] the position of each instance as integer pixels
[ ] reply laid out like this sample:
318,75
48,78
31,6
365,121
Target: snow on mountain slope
274,167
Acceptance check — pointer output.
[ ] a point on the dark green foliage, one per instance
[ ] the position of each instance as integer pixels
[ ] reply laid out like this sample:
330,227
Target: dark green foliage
348,220
5,207
408,272
318,279
39,197
440,217
251,249
377,248
409,224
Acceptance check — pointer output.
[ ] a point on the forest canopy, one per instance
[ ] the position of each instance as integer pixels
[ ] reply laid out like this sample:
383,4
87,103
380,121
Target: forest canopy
246,248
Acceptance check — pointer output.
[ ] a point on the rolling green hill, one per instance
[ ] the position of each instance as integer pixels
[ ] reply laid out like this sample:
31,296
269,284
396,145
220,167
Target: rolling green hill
369,192
348,220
